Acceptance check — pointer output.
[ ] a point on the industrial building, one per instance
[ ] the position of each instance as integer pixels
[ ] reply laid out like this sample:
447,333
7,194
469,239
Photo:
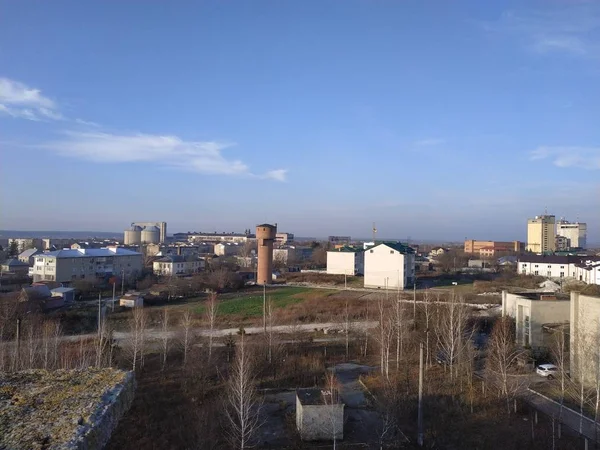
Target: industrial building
216,237
346,261
492,248
541,234
145,233
574,233
389,266
534,314
265,235
65,266
584,337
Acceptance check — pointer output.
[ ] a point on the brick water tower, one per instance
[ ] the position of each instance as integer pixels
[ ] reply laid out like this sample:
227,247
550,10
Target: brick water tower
265,236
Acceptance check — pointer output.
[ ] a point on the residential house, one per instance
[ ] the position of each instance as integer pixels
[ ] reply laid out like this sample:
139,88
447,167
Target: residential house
14,266
178,265
28,256
227,249
389,266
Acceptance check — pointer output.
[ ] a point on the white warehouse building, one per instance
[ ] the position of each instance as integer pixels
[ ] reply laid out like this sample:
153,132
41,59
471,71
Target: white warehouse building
346,261
389,266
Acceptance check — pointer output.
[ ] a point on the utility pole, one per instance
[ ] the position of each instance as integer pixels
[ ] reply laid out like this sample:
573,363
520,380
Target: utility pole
420,416
415,301
18,338
99,312
122,282
114,289
345,282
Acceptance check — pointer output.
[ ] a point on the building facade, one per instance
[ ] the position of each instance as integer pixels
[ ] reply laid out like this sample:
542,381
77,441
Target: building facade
284,238
284,255
584,337
389,266
492,248
541,234
221,237
65,266
588,271
552,266
574,233
177,265
319,415
346,261
227,249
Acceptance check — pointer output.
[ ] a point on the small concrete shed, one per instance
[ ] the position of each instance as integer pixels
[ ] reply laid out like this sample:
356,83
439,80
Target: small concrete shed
319,415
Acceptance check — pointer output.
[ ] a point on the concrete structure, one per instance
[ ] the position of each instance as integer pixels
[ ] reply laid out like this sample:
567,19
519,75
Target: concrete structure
67,294
15,266
227,249
575,233
265,234
533,311
541,234
131,300
162,230
585,335
150,235
389,265
319,415
177,265
552,266
133,235
65,266
339,239
28,256
492,248
284,238
346,261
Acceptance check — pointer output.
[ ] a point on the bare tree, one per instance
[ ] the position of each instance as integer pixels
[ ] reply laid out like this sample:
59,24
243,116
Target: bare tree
186,338
136,341
211,317
400,325
334,422
347,328
269,335
451,332
503,354
102,342
242,400
165,337
559,353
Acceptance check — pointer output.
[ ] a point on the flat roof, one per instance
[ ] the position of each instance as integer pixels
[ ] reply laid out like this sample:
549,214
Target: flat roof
312,396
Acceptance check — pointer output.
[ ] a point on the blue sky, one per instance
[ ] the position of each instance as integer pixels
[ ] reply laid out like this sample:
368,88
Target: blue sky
436,120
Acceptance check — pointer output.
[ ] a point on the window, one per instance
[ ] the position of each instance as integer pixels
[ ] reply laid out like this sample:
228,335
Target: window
549,273
562,267
391,252
370,251
526,331
536,265
562,274
536,273
549,266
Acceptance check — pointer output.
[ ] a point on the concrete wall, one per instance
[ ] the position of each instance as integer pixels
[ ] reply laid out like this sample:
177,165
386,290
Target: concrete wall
540,312
585,335
318,422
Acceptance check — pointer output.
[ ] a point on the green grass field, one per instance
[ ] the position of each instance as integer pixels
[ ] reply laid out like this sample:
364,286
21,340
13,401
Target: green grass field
252,305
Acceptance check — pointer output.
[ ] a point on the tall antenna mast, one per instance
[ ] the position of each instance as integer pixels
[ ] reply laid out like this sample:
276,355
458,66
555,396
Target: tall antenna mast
374,232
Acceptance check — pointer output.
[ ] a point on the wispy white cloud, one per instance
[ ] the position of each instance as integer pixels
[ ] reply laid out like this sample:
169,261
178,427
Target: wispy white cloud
196,156
572,29
579,157
429,142
20,101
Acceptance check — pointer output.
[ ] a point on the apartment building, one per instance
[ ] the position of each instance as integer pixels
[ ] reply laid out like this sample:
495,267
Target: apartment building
25,243
284,238
553,266
177,265
346,261
574,233
65,266
541,234
492,248
389,266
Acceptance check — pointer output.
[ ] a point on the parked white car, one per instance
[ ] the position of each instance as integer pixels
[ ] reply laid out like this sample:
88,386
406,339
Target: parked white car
547,370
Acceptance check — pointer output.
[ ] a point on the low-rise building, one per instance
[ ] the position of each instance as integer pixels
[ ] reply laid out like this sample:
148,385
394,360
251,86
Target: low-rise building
284,255
65,266
227,249
346,261
588,271
220,237
15,267
389,266
438,251
28,256
177,265
131,300
492,248
319,415
284,238
534,313
551,266
25,243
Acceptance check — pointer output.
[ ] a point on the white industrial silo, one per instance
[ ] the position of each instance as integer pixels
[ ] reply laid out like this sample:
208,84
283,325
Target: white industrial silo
150,235
133,235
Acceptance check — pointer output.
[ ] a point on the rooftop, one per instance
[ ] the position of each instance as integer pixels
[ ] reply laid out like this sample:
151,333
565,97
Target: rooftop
312,396
14,263
88,253
543,296
398,246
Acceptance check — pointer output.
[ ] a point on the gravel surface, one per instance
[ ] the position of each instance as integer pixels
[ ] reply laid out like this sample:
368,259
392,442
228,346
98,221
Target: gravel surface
56,409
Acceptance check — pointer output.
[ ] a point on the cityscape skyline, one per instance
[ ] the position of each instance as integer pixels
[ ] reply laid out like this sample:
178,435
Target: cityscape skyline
446,123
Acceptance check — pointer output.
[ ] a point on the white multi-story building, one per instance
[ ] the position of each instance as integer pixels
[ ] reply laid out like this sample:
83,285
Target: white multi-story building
284,238
177,265
346,261
65,266
575,233
550,266
389,265
588,272
227,249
